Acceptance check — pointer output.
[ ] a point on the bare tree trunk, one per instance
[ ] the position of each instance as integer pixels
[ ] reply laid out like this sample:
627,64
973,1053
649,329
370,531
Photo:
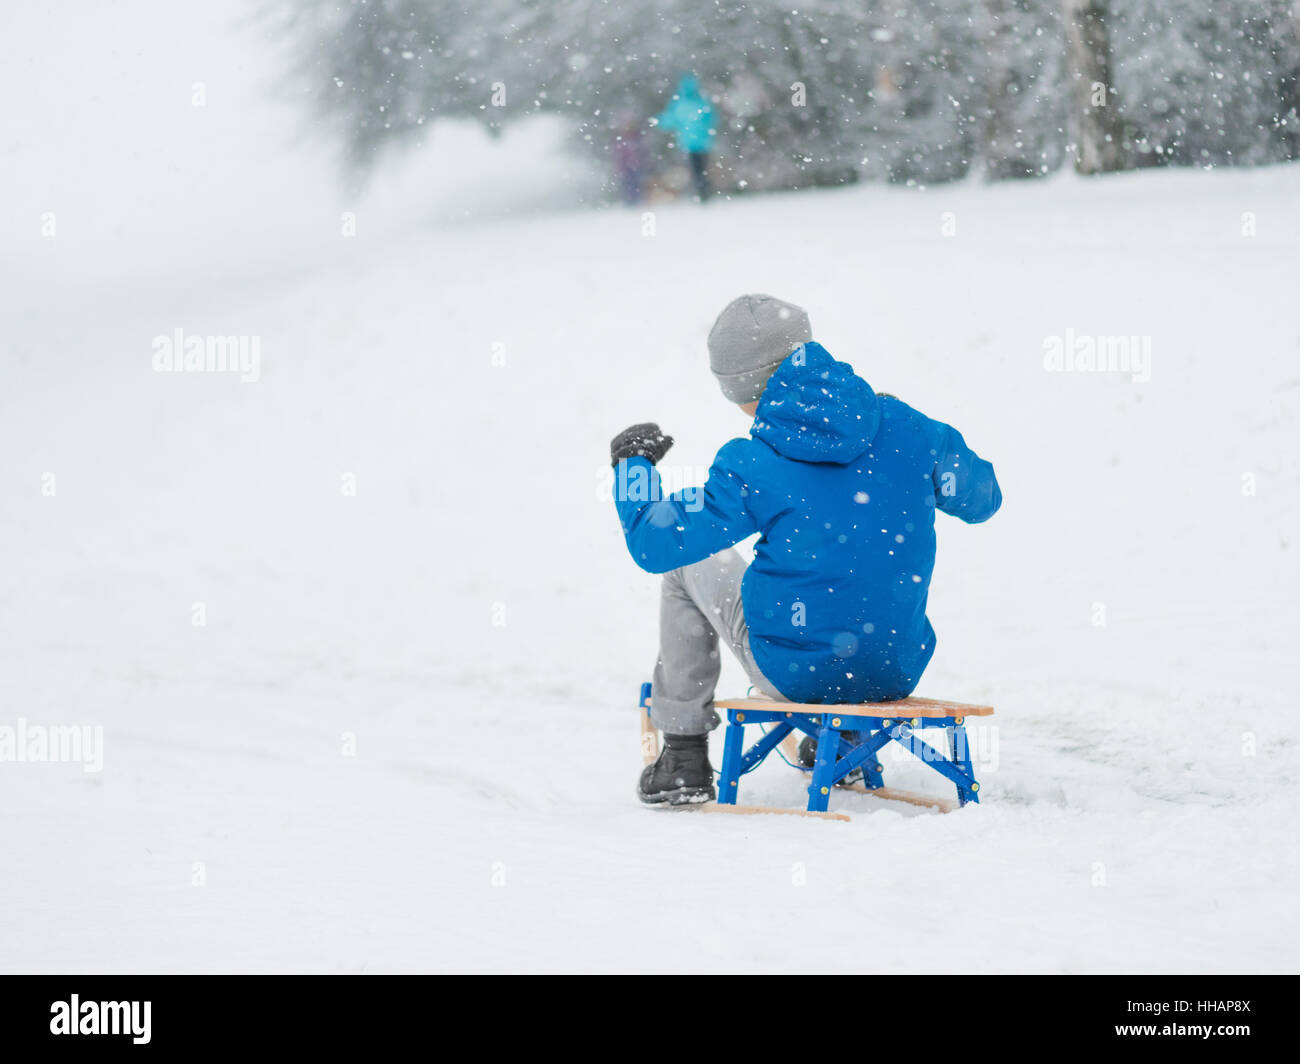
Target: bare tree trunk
1002,157
1096,132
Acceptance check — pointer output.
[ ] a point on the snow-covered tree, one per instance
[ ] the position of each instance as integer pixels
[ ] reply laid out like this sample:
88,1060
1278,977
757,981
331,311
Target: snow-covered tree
826,91
1204,84
1025,90
1095,128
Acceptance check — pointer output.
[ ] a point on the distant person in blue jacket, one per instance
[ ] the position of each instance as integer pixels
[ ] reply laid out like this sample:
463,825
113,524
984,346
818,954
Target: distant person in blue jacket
691,118
842,485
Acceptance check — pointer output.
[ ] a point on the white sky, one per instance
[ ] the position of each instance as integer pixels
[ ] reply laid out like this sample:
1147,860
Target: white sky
99,128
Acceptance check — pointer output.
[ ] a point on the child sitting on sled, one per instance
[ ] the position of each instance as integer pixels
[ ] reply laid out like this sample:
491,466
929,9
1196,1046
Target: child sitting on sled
842,484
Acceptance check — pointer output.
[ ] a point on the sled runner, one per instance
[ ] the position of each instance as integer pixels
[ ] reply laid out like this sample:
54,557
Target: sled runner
876,723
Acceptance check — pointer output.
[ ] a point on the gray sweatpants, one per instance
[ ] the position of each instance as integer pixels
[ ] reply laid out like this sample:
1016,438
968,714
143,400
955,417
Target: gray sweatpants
699,603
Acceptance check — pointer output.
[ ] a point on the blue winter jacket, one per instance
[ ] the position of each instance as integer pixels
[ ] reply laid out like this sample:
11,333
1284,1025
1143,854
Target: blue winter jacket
690,116
843,485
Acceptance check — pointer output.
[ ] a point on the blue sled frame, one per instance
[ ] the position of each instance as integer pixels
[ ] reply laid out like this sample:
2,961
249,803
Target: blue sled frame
836,757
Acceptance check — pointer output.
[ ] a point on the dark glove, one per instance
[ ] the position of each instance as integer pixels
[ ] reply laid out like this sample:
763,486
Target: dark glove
645,440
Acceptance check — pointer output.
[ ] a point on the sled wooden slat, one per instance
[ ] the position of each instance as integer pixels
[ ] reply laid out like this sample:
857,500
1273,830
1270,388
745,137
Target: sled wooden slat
751,810
903,708
927,801
649,736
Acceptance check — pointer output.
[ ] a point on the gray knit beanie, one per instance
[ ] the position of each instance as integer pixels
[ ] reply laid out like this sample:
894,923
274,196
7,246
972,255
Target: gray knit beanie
752,336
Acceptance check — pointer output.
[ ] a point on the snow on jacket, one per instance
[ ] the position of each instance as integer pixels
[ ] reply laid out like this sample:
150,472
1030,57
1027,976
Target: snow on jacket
843,486
690,116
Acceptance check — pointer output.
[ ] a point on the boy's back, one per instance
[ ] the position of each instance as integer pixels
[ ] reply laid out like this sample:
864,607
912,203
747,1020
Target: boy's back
843,485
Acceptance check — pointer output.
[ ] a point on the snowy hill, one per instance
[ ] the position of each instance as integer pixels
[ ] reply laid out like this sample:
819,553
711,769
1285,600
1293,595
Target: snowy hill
405,735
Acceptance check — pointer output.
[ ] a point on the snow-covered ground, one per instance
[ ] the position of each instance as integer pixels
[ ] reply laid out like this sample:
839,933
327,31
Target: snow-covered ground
406,737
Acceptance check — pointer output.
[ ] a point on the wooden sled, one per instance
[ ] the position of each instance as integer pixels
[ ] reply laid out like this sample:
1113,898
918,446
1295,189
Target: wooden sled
877,724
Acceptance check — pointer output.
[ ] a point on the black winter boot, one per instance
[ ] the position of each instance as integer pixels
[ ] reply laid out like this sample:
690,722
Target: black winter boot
808,756
681,775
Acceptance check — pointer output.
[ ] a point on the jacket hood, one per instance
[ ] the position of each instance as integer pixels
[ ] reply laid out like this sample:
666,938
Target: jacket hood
688,86
815,409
